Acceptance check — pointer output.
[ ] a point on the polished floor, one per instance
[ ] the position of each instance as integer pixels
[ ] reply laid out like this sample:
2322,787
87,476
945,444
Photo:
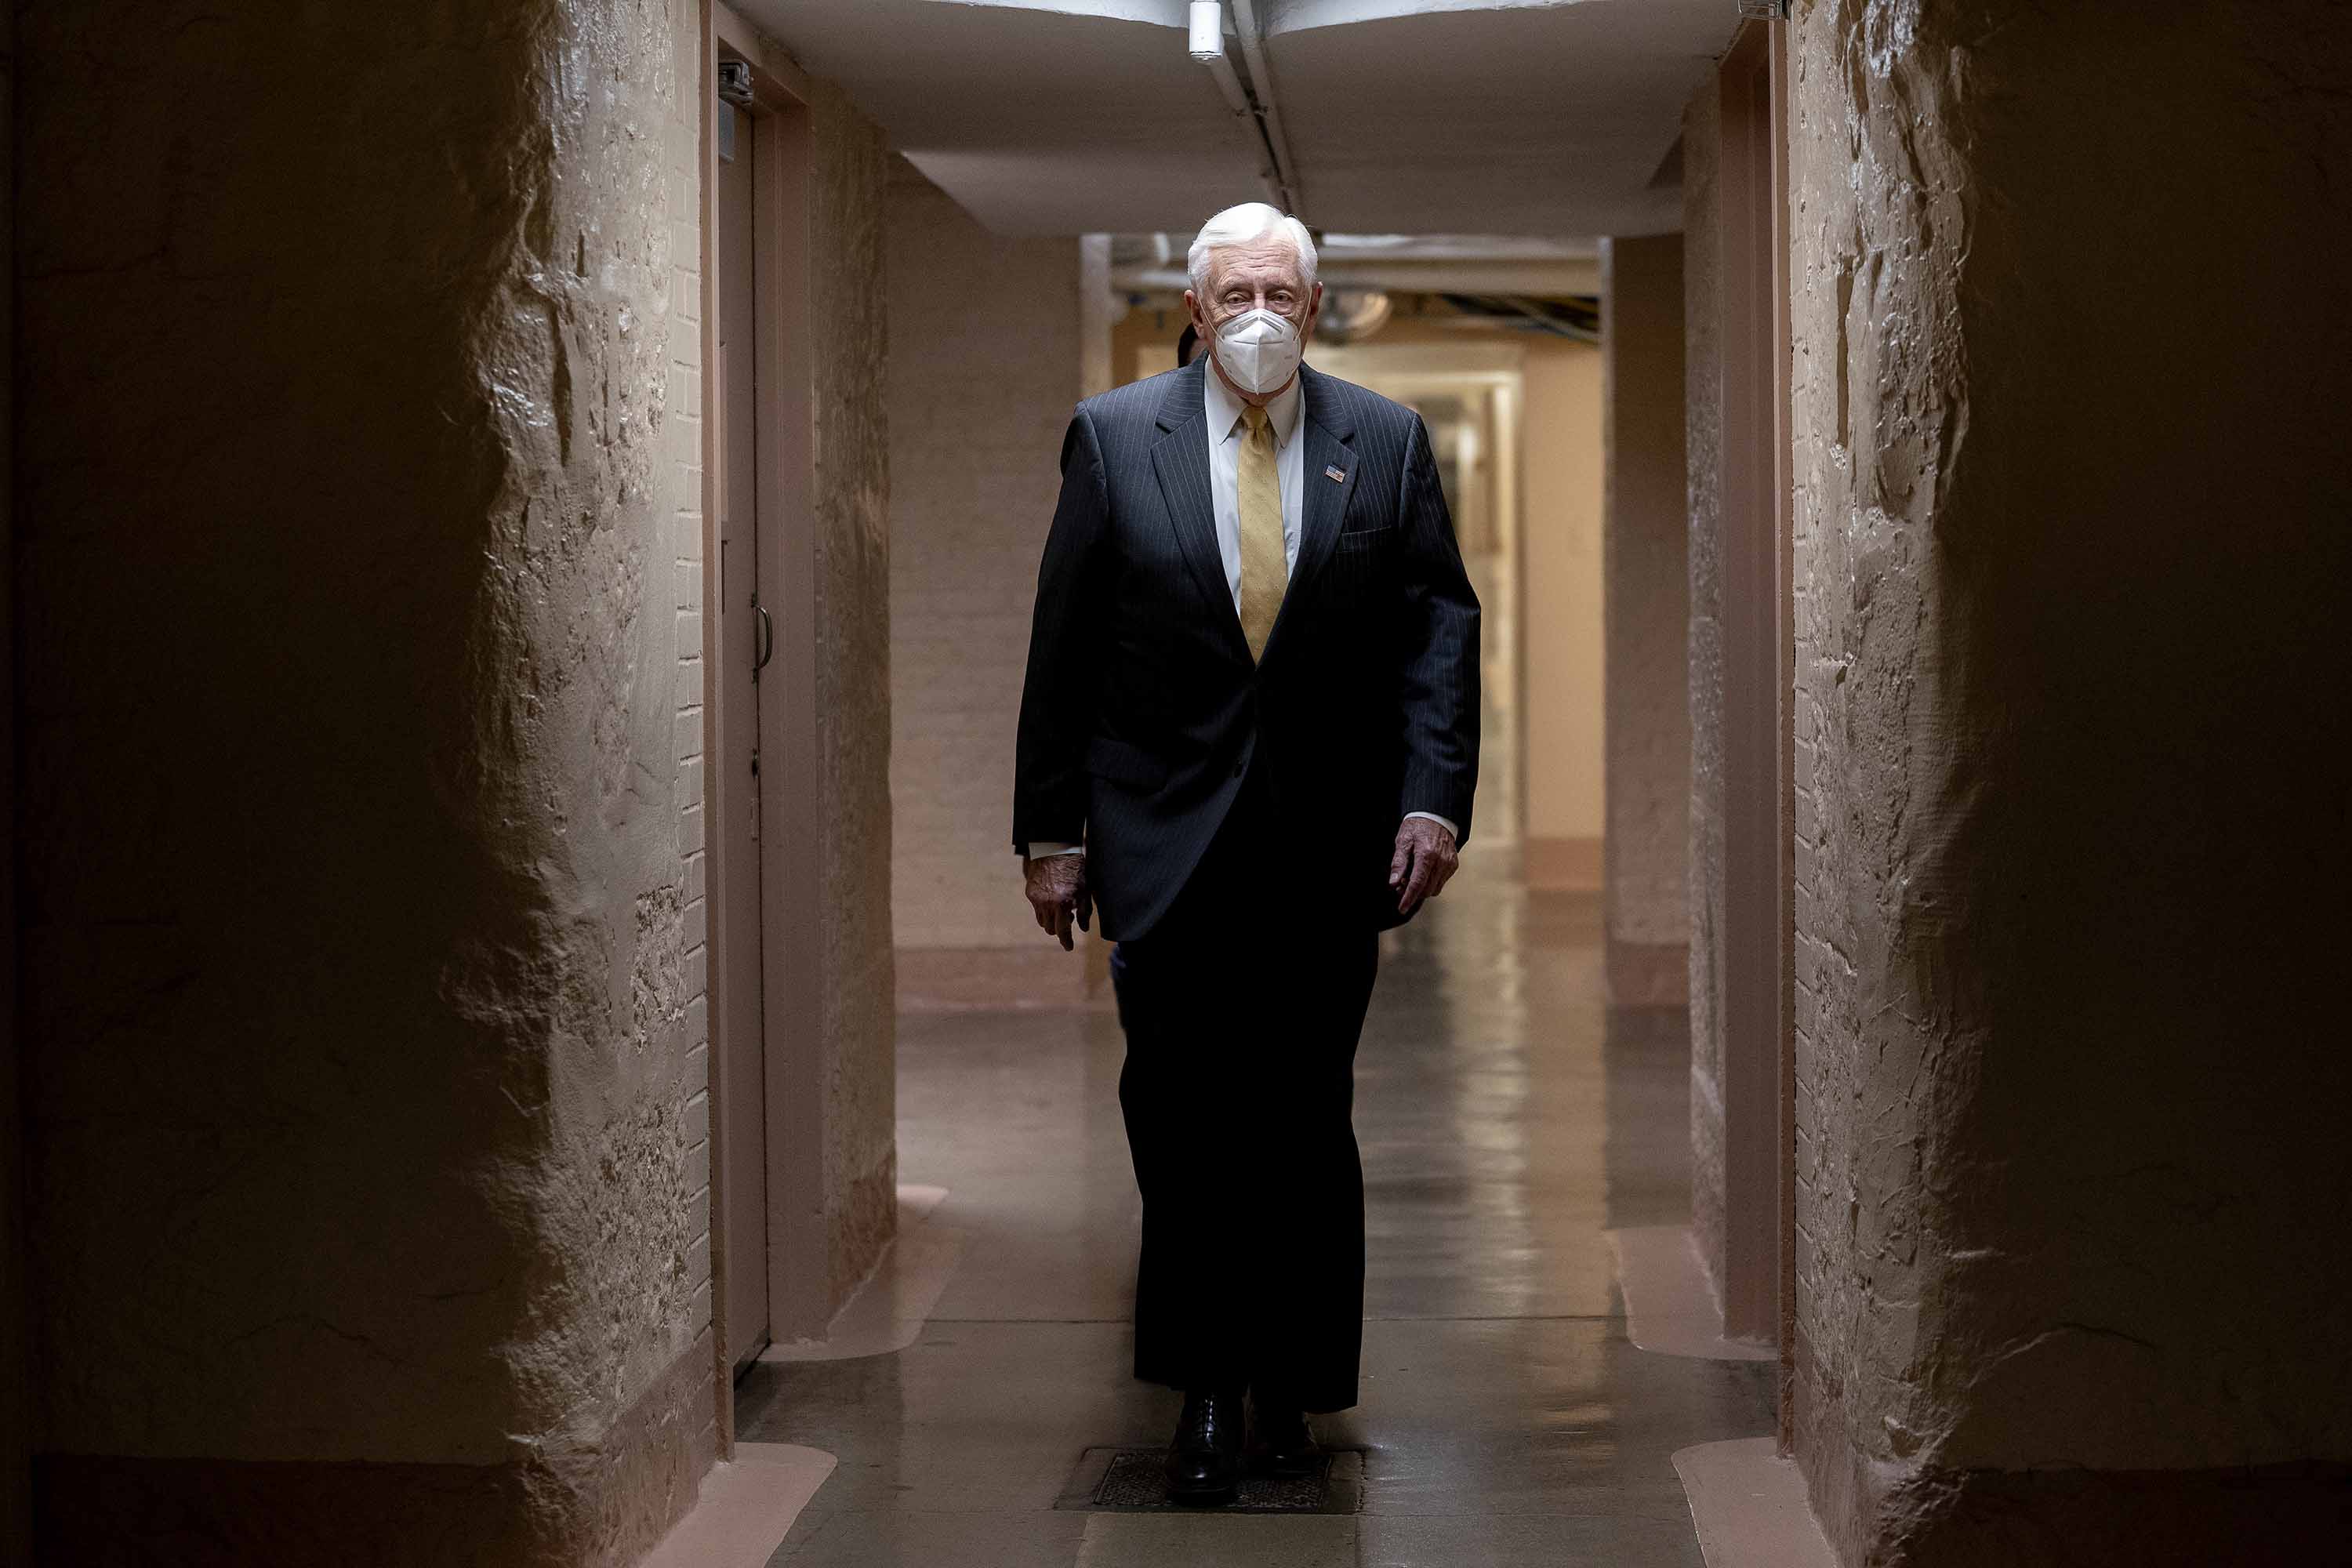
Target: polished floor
1508,1119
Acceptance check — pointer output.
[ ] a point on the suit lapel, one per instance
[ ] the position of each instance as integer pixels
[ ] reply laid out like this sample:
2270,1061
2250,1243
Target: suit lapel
1180,461
1326,430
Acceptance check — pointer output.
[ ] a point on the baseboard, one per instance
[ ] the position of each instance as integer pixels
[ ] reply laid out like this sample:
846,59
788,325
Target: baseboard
1649,973
1034,975
601,1504
1561,865
1749,1506
2263,1516
746,1508
1670,1304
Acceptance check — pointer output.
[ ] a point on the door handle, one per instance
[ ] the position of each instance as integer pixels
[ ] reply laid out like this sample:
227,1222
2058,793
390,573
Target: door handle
765,648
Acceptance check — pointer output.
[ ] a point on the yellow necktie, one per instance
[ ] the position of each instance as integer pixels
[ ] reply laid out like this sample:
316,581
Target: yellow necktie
1265,571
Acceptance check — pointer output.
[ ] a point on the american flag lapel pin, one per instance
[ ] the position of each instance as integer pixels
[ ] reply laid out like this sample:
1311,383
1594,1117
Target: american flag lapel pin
1336,475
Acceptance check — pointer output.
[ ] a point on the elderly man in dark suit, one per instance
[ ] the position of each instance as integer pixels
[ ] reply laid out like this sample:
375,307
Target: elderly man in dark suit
1248,737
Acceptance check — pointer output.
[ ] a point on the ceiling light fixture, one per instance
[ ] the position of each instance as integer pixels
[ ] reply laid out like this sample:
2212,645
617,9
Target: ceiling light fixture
1208,30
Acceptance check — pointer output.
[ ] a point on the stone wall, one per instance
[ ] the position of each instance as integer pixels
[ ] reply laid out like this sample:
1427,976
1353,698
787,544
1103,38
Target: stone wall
363,1086
2071,351
1646,613
1703,452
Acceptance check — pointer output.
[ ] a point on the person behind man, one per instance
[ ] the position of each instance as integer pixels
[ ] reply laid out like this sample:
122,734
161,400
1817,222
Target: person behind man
1248,736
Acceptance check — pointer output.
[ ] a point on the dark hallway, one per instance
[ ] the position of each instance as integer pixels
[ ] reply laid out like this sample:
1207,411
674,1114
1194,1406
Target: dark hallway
529,1043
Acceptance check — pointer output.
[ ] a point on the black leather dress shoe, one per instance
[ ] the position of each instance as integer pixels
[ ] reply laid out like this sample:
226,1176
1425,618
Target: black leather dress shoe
1284,1445
1204,1462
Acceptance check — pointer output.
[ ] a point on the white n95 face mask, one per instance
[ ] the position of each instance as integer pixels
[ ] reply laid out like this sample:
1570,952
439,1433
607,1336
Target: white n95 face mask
1259,349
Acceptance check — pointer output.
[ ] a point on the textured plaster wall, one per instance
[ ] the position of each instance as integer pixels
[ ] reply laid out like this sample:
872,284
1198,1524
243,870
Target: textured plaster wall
1561,465
2071,554
1646,554
851,505
360,918
1703,454
985,338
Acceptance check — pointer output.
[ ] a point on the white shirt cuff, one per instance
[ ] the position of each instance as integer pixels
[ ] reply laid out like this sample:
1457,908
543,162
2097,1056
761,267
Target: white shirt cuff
1441,822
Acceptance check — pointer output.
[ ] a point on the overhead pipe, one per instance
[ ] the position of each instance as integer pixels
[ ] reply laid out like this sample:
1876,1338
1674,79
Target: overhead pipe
1260,73
1208,47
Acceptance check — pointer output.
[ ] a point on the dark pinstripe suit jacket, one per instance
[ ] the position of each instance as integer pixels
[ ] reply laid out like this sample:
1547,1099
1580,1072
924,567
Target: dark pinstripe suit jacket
1142,707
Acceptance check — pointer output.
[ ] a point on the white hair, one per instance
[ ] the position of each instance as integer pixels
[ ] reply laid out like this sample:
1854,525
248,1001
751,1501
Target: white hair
1241,225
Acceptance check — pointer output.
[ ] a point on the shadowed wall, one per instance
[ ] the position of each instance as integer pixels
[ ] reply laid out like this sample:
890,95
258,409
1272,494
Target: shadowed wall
2070,557
363,1088
1703,500
16,1367
1646,619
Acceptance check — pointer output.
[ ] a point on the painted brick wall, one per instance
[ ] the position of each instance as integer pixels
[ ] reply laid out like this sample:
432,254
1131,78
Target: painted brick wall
984,367
685,434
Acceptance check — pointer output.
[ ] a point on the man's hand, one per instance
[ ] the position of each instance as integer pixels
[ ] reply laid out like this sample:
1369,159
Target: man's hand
1056,886
1423,862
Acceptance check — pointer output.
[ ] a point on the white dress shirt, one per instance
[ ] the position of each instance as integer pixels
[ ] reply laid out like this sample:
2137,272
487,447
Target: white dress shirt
1227,429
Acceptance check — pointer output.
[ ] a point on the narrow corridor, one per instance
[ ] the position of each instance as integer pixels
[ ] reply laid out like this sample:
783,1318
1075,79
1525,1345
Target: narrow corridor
1508,1119
522,531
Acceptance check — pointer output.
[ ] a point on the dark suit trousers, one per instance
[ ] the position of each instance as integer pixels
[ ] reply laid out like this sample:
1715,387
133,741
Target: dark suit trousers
1241,1018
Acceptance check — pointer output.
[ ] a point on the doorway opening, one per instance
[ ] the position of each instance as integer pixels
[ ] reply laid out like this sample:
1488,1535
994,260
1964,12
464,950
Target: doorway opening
1471,397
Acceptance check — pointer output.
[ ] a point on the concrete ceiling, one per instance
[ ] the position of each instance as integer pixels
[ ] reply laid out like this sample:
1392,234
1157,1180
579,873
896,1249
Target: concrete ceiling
1452,116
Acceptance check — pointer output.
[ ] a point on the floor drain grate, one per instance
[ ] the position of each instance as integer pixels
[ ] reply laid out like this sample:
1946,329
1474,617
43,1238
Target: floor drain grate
1127,1480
